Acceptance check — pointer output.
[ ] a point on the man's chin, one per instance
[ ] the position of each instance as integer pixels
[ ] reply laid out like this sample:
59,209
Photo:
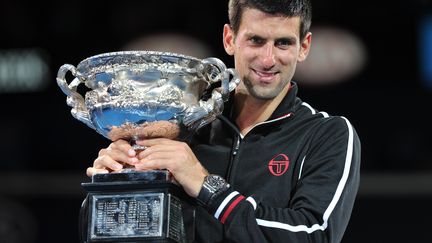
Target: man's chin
263,94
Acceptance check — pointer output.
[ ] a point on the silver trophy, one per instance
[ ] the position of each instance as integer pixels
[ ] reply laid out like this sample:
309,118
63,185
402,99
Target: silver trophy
139,95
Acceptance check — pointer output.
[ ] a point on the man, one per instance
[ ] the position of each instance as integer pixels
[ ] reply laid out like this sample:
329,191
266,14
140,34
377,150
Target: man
290,173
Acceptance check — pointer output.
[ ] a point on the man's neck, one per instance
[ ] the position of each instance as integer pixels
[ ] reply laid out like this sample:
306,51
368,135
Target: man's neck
250,111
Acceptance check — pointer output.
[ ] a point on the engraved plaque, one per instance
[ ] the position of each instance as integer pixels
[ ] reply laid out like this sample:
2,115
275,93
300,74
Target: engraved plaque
129,215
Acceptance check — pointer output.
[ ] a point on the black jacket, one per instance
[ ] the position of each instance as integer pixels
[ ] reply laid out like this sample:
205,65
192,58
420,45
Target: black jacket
294,178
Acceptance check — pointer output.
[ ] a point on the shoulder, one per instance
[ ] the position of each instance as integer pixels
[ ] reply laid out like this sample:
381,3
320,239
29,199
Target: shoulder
323,124
323,118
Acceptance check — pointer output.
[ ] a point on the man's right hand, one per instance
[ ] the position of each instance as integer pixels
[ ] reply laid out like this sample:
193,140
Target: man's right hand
113,158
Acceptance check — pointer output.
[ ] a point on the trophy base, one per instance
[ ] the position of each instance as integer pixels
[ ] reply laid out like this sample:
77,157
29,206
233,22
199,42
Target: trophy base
138,207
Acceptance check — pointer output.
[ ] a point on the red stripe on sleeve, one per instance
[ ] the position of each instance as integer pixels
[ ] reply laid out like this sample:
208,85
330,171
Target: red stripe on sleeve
230,208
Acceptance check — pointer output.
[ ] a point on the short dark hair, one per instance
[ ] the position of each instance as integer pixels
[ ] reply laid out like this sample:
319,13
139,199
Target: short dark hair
288,8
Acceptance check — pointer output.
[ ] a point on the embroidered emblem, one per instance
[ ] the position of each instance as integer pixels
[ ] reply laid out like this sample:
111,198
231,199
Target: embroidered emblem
278,165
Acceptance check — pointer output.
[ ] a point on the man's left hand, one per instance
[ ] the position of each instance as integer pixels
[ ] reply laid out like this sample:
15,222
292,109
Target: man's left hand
176,157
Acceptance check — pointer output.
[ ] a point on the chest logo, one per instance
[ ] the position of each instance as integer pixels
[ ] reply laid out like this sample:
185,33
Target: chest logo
278,165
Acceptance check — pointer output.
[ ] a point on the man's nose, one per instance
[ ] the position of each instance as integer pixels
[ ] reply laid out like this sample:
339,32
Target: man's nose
268,58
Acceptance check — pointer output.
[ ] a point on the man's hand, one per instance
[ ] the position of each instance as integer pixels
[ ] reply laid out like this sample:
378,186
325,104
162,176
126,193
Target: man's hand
113,158
176,157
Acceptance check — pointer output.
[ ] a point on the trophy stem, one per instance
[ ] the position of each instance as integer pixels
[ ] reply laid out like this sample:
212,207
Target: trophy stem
138,148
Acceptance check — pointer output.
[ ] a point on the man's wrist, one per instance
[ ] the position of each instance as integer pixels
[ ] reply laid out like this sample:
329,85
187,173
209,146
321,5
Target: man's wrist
212,186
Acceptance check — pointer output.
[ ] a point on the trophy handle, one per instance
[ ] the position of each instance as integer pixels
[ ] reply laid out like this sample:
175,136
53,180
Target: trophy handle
214,71
74,99
219,72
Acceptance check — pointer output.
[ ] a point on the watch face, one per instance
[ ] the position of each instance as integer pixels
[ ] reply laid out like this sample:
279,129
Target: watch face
215,182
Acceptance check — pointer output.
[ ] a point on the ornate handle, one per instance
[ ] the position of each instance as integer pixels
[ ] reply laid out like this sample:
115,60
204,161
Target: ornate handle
219,72
74,99
214,70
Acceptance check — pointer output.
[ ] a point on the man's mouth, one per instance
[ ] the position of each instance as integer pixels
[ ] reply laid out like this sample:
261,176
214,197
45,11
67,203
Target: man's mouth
265,76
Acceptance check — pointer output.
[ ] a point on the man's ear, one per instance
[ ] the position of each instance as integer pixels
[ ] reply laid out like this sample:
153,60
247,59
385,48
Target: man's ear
228,39
305,47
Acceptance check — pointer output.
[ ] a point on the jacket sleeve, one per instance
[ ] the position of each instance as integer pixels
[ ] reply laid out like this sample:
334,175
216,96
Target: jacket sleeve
322,198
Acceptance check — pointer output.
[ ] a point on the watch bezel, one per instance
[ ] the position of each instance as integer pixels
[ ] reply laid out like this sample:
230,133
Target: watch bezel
214,183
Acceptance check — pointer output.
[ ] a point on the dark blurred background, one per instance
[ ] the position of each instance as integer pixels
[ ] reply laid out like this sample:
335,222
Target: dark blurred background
371,62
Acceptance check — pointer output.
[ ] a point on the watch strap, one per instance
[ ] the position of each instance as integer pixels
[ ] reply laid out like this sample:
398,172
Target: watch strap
204,196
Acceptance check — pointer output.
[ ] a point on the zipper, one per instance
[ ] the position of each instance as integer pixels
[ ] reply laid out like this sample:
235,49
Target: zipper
233,158
236,147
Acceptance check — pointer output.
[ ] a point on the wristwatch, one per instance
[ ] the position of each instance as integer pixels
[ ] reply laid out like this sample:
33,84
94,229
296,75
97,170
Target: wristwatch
213,185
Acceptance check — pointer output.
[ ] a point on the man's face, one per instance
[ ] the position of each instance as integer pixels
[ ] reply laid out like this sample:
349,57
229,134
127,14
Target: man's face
266,50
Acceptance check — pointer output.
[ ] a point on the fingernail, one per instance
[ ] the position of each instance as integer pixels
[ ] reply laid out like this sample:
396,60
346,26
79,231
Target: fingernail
131,152
133,160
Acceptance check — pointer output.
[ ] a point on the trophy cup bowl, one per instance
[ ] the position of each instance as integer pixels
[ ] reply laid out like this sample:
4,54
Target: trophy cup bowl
140,95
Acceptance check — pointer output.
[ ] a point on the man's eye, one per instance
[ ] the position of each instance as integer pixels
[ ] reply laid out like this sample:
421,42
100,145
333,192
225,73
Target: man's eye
283,43
256,40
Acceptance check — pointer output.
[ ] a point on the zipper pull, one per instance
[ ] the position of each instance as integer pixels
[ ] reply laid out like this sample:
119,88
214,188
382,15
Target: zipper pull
237,146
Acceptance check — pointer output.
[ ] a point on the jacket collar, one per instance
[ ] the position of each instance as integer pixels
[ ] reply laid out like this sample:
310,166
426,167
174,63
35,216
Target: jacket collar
288,104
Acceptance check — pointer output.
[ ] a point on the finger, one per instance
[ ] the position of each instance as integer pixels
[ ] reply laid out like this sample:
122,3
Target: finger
160,154
155,141
157,149
117,155
153,164
93,171
106,162
122,146
176,148
161,160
